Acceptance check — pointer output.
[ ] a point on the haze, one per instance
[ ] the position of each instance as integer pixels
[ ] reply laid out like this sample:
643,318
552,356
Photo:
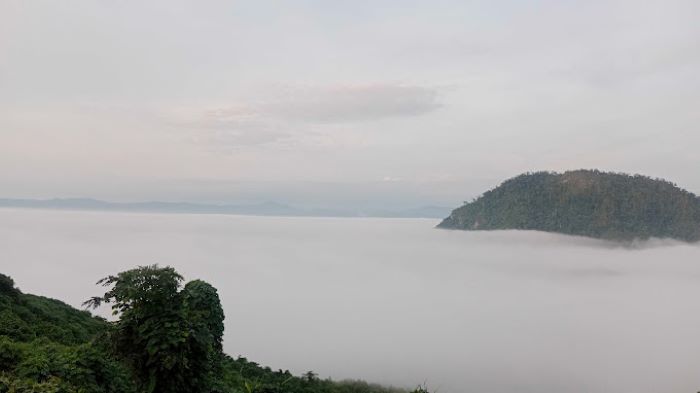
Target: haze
362,107
396,301
340,104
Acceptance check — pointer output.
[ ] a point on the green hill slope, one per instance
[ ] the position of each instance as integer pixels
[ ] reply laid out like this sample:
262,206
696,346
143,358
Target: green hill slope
589,203
25,317
47,346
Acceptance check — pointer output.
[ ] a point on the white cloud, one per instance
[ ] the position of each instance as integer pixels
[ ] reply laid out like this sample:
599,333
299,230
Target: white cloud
297,112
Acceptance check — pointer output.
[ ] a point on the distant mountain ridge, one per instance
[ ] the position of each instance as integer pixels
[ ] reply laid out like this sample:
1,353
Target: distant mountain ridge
591,203
258,209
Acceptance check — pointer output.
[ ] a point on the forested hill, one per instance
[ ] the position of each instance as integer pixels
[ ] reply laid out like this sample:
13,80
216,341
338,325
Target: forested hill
592,203
48,346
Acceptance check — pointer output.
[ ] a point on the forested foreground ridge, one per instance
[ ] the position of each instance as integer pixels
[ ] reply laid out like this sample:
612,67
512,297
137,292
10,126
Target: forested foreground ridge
605,205
167,339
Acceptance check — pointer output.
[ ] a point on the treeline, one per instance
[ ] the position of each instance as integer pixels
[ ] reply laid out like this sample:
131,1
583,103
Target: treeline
590,203
255,378
167,339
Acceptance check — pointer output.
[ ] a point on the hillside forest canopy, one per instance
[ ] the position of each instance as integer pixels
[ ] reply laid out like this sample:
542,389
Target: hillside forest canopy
604,205
167,338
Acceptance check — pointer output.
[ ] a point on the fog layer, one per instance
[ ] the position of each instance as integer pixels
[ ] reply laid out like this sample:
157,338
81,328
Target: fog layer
396,301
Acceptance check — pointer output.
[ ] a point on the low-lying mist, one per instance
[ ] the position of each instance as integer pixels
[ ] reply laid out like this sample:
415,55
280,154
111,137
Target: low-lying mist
397,301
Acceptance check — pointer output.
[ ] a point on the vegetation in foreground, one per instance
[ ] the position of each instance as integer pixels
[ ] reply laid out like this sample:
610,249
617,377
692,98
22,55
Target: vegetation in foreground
591,203
168,339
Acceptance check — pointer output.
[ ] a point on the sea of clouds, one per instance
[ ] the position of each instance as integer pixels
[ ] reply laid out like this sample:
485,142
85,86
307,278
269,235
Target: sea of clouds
395,300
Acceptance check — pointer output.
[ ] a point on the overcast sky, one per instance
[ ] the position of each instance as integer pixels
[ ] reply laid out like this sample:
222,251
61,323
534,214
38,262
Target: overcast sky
340,102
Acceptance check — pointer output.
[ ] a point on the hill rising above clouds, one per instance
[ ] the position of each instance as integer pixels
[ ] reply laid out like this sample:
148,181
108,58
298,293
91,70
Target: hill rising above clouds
591,203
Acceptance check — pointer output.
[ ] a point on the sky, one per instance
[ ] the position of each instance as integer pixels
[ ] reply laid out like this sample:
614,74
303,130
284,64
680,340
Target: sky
335,103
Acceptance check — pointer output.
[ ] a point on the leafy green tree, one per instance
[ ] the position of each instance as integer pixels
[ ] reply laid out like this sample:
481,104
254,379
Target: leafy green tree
171,338
205,318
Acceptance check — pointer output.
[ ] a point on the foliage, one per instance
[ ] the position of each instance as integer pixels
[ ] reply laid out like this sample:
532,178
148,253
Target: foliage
45,366
242,376
170,338
48,346
26,317
587,203
7,286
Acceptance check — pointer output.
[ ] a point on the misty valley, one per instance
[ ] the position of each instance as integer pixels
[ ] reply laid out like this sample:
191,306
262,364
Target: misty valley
395,301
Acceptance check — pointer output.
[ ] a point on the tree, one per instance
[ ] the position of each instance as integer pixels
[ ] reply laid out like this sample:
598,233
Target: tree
205,319
310,376
7,286
170,338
